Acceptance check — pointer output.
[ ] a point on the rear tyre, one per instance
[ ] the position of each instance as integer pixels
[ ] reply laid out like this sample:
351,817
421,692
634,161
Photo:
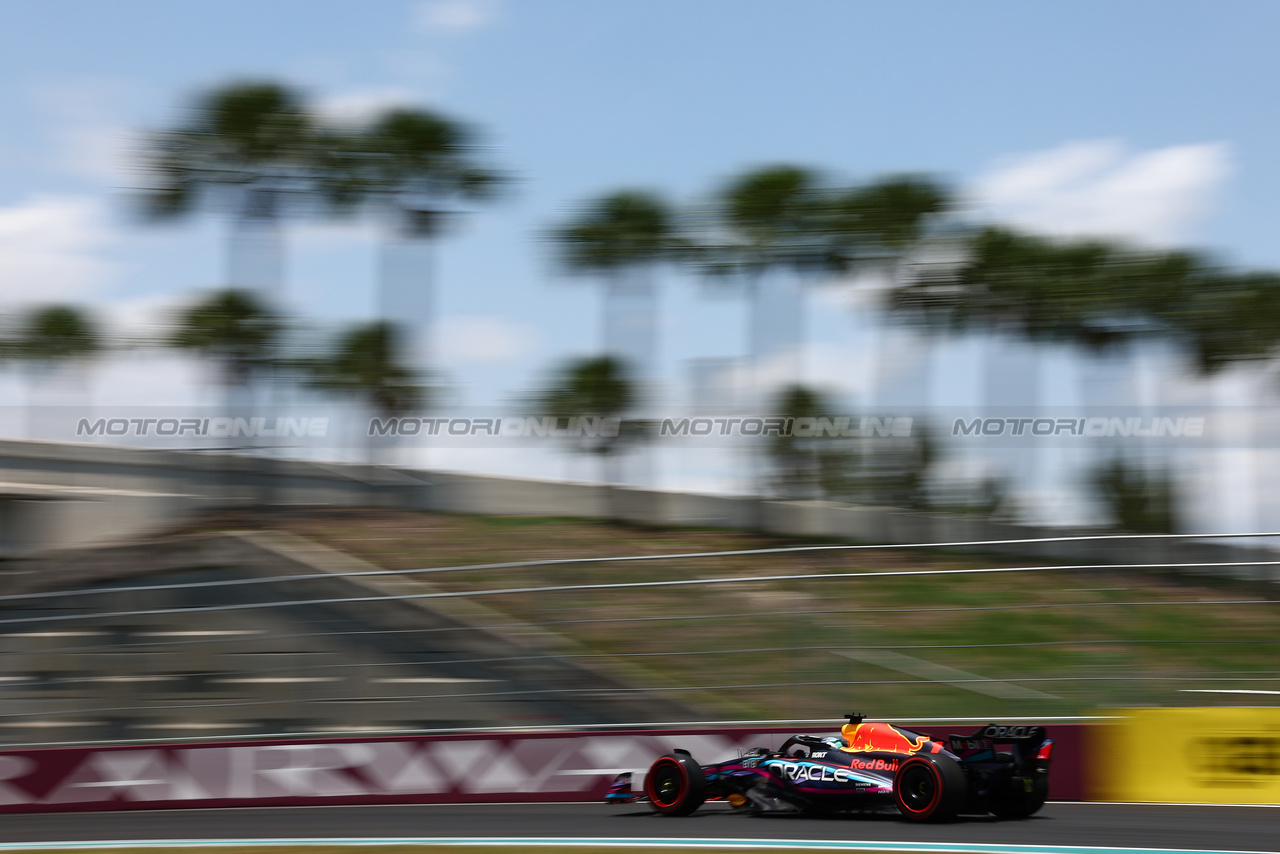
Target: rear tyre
1022,797
930,788
675,785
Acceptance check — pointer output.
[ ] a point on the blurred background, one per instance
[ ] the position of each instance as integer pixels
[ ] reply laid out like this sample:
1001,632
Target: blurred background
720,276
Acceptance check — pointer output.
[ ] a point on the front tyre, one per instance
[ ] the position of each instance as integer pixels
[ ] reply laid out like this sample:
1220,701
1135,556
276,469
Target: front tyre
675,785
930,788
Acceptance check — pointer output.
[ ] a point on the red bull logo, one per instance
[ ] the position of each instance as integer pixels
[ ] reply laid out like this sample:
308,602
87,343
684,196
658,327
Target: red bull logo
879,738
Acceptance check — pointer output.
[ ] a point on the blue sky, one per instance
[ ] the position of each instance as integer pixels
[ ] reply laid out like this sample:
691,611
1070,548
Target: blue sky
1147,118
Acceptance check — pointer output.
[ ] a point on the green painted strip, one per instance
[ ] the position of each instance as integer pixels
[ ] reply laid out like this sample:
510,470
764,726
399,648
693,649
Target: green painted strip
656,842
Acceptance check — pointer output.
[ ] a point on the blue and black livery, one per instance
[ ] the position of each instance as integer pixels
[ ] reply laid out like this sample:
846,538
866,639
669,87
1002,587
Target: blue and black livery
868,766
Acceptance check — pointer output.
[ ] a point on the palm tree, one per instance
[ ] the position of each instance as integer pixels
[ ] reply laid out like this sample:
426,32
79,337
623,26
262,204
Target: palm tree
886,220
415,166
777,228
622,237
365,363
798,461
235,330
250,148
57,333
886,234
1138,498
885,471
50,338
771,221
595,388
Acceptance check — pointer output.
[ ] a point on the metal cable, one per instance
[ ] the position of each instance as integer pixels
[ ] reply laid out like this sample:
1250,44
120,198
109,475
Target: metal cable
550,656
529,564
566,588
660,619
651,689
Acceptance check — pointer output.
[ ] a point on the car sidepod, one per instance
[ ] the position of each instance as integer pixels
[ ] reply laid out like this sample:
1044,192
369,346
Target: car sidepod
832,777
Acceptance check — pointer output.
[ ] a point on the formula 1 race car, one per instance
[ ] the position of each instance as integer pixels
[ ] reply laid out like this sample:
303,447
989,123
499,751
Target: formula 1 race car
867,767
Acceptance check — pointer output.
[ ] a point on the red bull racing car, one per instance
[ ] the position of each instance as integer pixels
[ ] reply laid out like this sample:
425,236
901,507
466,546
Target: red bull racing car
1002,770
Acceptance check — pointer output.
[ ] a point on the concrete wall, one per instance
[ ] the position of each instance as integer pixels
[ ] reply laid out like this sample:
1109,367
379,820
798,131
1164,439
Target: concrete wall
62,495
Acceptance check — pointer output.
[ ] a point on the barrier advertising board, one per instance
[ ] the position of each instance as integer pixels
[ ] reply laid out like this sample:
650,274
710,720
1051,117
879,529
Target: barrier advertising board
1200,755
409,769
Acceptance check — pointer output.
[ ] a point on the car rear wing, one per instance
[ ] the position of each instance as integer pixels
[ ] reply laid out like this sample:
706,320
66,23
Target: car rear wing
1001,734
1030,743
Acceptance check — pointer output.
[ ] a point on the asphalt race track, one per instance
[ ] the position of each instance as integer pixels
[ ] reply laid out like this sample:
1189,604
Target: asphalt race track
1066,824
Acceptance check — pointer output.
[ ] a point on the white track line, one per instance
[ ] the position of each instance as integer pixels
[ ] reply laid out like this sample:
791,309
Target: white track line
614,842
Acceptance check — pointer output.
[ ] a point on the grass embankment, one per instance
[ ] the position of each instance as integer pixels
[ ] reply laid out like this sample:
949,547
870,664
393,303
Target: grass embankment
775,649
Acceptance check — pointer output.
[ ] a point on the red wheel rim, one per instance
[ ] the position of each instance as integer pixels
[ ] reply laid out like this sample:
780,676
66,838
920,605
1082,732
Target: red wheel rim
919,787
661,794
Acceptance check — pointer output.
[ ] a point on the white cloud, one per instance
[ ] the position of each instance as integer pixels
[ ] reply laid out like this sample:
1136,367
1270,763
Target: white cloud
1101,188
147,317
860,292
428,71
103,152
49,249
333,234
154,377
361,105
88,137
453,15
840,370
483,339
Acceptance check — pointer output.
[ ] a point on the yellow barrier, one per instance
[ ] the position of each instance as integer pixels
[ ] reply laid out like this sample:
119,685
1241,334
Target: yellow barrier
1207,756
